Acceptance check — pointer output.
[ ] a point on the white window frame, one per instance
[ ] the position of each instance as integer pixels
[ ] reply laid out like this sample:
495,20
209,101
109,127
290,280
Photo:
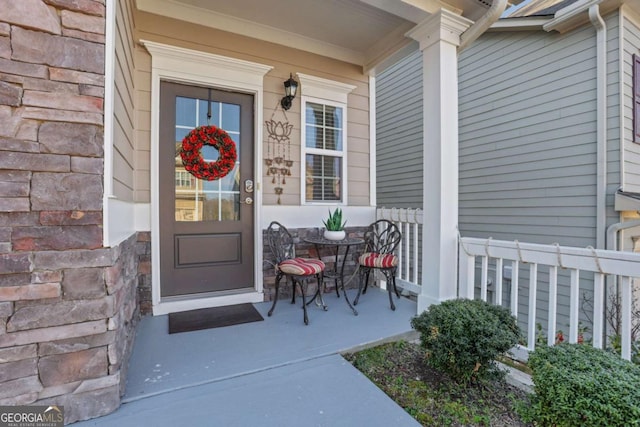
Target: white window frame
325,92
342,153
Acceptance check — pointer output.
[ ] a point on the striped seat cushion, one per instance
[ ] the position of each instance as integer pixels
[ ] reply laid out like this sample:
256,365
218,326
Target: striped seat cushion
375,260
301,266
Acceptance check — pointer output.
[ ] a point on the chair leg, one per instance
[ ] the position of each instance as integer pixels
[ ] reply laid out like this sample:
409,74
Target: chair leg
395,288
275,299
304,302
366,283
364,272
320,279
293,290
390,284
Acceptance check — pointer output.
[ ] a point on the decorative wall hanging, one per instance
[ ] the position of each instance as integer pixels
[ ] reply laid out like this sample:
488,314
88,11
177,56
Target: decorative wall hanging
192,157
278,159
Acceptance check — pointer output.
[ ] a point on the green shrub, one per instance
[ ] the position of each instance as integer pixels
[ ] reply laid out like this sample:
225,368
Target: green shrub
615,346
578,385
464,337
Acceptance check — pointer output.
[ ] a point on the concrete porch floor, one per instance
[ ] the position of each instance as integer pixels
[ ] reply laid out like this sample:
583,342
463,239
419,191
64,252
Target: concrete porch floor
277,372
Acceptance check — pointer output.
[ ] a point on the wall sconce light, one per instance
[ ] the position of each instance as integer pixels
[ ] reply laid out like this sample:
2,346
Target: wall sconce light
290,89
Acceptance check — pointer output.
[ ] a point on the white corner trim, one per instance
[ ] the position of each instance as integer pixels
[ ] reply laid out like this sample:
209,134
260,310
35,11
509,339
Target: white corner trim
120,220
108,237
373,196
318,87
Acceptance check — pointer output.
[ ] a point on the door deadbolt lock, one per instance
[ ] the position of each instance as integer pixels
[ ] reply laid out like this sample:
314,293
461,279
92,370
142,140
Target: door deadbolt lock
247,201
248,186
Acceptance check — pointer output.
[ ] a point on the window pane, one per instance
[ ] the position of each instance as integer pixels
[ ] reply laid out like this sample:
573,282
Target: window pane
333,140
209,207
202,113
199,199
333,116
231,117
314,137
231,182
235,137
314,114
185,112
210,185
209,153
181,133
323,178
336,139
229,204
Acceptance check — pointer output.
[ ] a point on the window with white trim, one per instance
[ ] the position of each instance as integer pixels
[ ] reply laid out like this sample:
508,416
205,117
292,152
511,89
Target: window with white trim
323,151
324,140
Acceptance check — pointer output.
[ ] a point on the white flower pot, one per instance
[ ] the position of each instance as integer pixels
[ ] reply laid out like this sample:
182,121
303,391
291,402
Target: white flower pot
334,235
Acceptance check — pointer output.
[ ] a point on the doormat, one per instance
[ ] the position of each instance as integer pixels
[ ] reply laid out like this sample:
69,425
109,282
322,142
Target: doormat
215,317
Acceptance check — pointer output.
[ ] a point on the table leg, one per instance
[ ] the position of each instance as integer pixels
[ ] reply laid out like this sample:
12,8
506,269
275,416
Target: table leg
344,290
317,297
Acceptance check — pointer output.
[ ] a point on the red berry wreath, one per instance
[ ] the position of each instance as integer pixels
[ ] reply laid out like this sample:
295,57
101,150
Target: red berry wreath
192,157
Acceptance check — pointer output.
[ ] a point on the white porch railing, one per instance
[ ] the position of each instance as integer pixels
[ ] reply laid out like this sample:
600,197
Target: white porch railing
601,263
514,257
409,221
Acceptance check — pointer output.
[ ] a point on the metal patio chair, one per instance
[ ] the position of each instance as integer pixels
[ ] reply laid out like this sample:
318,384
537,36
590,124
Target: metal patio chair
287,265
381,240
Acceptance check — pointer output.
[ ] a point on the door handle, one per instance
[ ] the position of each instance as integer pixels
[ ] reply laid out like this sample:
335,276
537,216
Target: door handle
247,201
248,186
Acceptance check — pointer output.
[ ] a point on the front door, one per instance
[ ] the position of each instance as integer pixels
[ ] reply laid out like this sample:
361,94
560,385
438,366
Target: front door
206,227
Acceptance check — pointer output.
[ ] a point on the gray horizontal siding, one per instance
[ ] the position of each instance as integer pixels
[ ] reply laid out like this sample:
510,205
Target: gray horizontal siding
527,137
399,134
527,132
631,155
528,146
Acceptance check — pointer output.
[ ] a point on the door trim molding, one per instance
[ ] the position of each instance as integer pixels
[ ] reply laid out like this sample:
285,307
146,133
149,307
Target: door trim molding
195,67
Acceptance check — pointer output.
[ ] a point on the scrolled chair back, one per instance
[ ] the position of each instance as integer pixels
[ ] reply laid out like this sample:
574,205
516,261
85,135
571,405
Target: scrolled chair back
382,237
280,242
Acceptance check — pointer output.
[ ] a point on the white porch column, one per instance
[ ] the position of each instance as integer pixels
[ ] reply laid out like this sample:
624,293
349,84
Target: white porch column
439,37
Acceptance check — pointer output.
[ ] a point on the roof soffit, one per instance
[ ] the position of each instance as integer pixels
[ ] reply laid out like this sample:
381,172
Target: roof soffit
362,32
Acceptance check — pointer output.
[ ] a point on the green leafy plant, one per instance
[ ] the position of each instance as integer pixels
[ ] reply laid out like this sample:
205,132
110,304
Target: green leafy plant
334,222
431,397
615,346
578,385
464,337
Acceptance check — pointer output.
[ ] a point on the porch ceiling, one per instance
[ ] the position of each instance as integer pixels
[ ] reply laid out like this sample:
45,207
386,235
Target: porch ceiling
362,32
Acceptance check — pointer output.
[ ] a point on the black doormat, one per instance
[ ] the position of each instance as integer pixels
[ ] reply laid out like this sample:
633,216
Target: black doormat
214,317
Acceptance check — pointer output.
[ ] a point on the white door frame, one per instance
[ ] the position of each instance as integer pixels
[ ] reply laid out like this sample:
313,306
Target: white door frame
194,67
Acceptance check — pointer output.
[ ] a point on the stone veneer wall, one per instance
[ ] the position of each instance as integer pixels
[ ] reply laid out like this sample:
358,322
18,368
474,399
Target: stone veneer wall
144,272
67,304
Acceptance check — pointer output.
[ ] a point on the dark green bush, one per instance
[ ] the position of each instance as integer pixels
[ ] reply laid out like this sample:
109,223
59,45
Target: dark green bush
578,385
464,337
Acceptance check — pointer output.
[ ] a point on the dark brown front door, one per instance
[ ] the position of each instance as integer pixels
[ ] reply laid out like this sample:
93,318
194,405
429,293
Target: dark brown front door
206,233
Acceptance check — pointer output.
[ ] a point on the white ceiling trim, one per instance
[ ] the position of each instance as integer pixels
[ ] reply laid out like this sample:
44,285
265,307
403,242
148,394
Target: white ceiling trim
208,18
389,47
432,6
402,9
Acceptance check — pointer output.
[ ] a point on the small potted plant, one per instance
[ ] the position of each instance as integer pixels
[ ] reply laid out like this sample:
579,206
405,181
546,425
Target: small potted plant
334,226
